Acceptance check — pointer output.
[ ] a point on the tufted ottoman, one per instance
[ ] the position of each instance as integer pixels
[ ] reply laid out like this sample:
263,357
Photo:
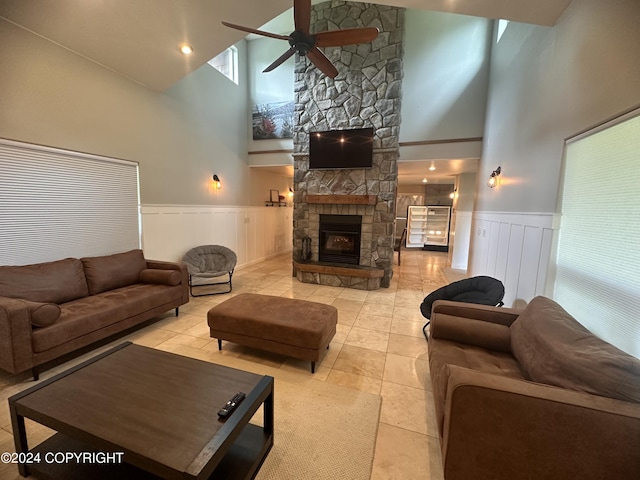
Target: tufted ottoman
296,328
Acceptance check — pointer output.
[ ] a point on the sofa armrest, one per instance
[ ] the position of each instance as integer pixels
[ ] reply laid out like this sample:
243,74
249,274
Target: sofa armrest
180,266
16,351
501,315
503,428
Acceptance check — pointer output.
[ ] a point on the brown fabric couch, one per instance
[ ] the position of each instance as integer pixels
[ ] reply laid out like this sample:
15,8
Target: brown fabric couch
531,394
50,309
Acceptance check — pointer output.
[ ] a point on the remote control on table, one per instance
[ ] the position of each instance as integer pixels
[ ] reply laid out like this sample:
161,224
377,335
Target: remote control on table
231,405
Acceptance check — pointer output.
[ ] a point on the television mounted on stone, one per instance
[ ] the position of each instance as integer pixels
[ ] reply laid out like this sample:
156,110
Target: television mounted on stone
336,149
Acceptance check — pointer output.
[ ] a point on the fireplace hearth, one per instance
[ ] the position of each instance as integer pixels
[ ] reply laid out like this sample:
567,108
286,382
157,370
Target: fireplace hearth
340,239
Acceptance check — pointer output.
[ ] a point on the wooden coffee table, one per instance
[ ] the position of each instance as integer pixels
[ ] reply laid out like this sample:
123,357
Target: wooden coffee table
154,411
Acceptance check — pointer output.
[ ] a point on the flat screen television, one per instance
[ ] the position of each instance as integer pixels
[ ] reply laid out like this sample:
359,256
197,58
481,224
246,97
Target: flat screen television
335,149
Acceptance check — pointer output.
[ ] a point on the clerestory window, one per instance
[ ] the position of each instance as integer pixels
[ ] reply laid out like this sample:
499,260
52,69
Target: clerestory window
227,63
502,26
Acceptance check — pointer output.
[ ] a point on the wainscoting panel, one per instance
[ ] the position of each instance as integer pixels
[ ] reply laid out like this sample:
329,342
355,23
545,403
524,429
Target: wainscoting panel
516,249
254,233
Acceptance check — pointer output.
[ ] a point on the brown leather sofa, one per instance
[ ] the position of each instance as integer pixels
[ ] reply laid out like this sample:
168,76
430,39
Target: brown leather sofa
48,310
531,394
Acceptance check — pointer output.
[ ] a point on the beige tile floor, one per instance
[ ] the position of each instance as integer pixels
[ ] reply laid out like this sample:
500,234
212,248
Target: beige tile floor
379,348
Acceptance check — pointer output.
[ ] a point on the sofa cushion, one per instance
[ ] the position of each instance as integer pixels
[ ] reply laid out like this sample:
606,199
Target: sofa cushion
50,282
555,349
161,277
86,315
443,353
109,272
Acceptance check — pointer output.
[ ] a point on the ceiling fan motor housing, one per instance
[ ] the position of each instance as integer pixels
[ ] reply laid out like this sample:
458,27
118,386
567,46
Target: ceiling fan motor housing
301,42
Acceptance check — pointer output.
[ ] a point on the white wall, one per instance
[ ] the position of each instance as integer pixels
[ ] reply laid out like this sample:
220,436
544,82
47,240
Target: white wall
446,66
180,138
461,221
263,181
50,96
547,83
444,88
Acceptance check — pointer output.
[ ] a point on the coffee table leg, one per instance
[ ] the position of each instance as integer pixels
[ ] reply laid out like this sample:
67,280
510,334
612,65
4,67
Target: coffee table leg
19,437
268,414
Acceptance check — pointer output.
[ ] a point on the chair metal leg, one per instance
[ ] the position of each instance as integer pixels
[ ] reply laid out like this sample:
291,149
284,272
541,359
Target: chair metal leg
424,330
191,287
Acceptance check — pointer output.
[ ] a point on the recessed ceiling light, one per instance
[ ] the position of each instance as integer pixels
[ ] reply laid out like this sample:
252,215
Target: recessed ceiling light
424,180
432,168
186,49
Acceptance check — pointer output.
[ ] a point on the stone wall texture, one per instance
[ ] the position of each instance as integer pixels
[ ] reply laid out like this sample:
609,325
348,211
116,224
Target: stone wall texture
366,93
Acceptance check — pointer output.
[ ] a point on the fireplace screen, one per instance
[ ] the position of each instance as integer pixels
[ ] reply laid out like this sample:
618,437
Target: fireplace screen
340,243
340,238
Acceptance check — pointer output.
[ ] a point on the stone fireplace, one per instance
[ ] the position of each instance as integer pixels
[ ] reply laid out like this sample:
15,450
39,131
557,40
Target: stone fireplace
366,93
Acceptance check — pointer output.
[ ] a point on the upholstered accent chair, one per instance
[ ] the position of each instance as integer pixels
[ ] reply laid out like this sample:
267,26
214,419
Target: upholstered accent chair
207,263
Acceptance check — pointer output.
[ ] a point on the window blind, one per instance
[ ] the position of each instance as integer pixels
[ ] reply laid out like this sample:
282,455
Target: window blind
598,257
56,204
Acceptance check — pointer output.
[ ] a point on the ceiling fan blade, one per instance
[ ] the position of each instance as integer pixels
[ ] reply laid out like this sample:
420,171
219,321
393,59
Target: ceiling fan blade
302,15
321,61
348,36
257,32
281,59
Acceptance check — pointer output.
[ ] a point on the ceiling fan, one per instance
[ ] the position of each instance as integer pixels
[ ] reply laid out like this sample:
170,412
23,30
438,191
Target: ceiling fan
304,43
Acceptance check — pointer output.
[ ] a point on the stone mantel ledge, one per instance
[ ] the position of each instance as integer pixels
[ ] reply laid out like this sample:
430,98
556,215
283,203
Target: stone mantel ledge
341,199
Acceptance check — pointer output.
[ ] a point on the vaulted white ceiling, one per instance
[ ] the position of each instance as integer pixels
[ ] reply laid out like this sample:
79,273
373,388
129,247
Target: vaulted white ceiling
140,39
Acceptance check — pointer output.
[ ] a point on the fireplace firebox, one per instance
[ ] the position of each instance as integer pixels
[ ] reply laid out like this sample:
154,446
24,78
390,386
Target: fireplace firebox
340,238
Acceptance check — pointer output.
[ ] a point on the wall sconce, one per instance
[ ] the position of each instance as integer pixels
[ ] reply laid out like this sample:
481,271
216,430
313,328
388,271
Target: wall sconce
452,195
290,193
494,178
216,182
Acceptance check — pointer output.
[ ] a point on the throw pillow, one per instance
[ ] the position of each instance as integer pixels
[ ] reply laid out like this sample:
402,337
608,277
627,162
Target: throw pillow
43,314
